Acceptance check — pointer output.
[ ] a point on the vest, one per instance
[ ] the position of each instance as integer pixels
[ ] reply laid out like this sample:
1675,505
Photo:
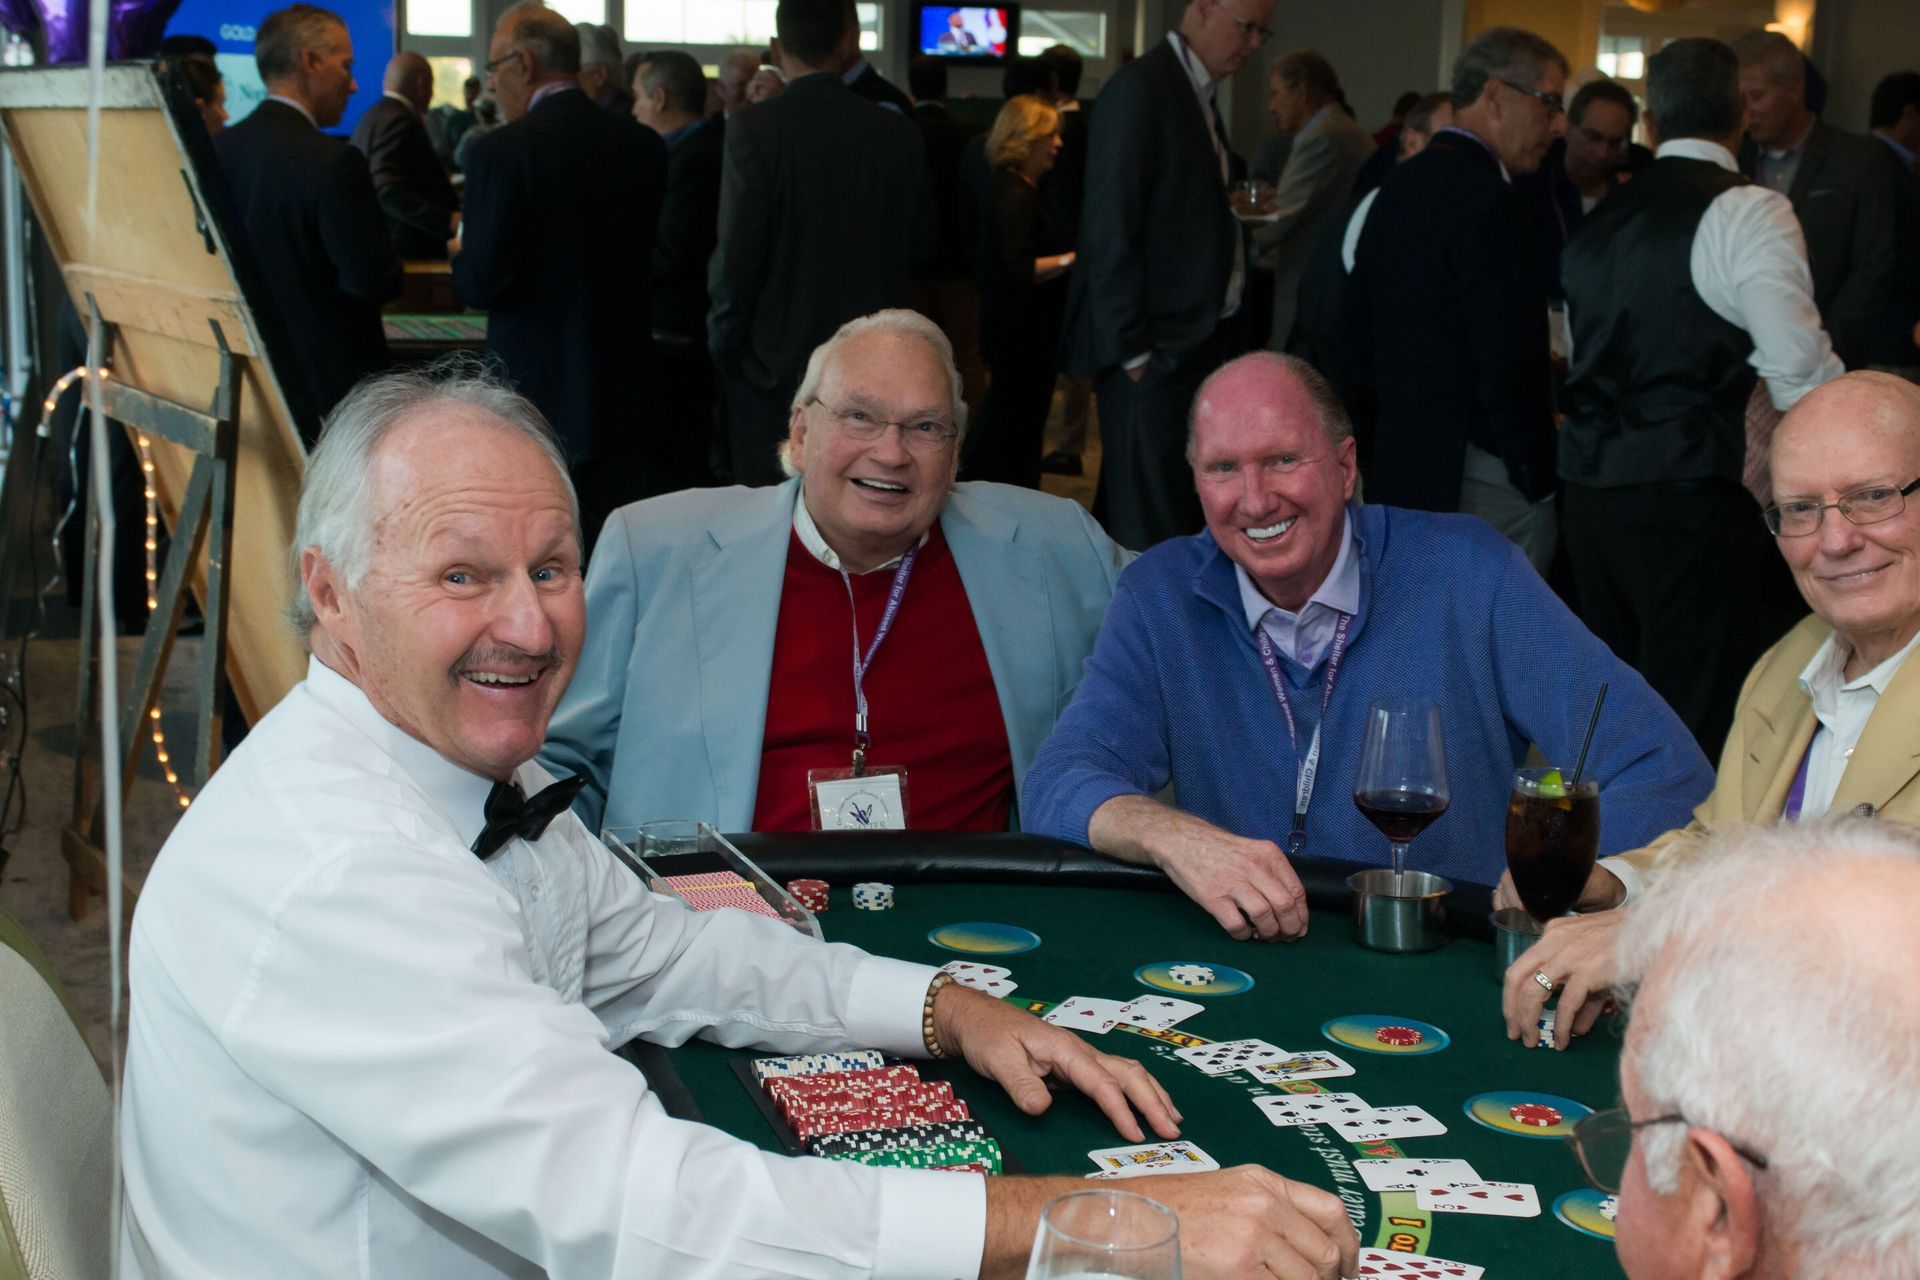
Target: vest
1659,384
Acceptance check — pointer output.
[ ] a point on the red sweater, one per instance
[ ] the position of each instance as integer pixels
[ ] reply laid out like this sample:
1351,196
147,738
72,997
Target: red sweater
931,702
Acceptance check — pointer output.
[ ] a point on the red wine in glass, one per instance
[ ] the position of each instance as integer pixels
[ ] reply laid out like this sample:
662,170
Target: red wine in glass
1400,815
1401,784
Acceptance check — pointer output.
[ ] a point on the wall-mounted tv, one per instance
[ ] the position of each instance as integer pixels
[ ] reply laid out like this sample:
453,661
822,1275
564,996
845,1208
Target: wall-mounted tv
980,34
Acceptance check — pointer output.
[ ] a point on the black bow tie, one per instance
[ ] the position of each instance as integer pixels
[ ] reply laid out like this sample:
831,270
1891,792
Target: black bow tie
510,813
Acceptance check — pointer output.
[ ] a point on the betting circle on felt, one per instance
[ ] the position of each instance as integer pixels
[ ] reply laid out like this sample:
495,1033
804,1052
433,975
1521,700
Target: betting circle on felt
1587,1211
1380,1033
1518,1112
1161,975
984,938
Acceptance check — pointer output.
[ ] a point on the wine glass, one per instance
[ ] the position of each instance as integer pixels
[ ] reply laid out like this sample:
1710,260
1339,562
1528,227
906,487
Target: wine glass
1553,839
1401,784
1105,1235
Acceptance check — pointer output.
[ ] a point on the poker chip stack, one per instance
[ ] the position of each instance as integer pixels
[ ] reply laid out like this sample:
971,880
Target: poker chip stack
811,894
876,1114
710,891
1536,1115
871,895
805,1064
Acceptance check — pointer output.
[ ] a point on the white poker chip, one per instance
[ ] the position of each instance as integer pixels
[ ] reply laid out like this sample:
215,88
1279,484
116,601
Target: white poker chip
1609,1207
1191,975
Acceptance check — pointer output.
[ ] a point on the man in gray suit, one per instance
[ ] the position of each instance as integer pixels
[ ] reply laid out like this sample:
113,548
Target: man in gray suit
1327,153
1838,183
722,677
825,207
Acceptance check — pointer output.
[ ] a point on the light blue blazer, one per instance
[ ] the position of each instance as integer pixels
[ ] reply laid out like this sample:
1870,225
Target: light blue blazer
666,714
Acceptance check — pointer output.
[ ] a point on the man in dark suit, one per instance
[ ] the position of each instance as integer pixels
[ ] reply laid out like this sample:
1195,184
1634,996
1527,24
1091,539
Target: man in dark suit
825,208
308,210
1581,169
859,75
1895,120
415,195
1448,303
1156,296
1838,183
557,245
669,95
943,288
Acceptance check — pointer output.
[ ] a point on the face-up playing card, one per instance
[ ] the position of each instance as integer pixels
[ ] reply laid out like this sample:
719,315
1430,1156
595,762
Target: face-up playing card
1157,1013
1293,1109
1085,1013
1219,1058
1411,1175
1499,1199
1389,1124
1415,1266
990,978
1316,1065
1150,1158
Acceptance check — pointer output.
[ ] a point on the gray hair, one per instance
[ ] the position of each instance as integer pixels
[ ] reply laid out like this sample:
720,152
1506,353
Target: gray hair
599,45
897,320
1772,53
547,38
1333,416
1744,976
676,71
1693,89
336,516
287,33
1501,53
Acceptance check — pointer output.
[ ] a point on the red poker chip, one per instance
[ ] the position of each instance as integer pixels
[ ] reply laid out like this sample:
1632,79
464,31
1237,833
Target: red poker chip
1537,1115
1402,1036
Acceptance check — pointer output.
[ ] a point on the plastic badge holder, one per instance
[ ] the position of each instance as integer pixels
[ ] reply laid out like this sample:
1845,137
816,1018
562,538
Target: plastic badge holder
656,850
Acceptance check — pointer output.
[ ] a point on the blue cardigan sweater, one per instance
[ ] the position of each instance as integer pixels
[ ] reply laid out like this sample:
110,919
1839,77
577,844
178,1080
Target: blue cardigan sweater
1450,612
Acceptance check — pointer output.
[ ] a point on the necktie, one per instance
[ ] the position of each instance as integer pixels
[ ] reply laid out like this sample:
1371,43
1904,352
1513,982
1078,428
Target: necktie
510,813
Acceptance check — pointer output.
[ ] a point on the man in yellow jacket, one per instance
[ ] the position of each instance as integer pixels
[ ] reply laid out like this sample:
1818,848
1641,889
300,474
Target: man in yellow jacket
1826,723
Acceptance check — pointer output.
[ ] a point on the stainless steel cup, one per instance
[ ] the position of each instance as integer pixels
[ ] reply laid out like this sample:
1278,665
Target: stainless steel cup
1514,931
1402,916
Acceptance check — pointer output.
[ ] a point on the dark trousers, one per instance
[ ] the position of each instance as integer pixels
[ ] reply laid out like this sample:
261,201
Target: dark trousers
682,436
1683,582
756,424
1004,441
1146,490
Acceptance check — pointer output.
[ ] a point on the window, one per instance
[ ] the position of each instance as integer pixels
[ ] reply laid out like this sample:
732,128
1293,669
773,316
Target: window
580,10
1622,58
720,22
1084,33
449,74
439,17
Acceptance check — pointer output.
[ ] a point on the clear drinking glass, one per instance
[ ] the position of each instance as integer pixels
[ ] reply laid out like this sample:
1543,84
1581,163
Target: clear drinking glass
1553,839
1401,784
1106,1235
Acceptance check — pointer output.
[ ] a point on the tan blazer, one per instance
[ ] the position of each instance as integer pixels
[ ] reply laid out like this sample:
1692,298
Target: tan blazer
1772,725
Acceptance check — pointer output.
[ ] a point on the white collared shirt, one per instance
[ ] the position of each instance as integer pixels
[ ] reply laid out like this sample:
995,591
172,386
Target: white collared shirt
301,107
1843,708
358,1051
817,546
1304,636
1203,88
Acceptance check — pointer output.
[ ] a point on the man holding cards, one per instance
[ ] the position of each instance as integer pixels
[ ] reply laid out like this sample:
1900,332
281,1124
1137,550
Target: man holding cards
1729,1157
1238,665
1826,723
375,985
869,644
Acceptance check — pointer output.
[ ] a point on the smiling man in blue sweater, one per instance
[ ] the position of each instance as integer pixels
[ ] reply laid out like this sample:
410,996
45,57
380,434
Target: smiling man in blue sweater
1224,654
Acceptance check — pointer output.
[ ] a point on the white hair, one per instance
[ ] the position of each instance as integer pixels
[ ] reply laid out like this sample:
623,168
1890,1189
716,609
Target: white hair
337,516
897,320
1752,999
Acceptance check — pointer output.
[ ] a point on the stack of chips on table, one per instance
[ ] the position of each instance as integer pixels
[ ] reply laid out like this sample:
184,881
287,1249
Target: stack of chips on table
811,894
716,889
871,895
875,1114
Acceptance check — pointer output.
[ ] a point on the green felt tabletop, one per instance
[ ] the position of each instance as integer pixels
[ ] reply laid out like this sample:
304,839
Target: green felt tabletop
1094,939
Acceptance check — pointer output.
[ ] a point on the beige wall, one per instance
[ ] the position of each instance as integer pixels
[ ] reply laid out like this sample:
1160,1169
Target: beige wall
1572,25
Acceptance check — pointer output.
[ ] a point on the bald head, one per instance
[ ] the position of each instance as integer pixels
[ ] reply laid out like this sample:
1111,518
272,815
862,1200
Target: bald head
410,76
1866,399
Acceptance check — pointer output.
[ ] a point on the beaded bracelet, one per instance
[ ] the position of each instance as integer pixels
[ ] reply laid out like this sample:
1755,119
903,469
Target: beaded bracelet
926,1014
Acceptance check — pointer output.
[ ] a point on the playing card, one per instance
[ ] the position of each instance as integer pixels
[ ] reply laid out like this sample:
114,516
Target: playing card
1316,1065
1415,1266
965,970
1389,1124
1157,1013
1411,1175
1219,1058
1500,1199
1293,1109
1152,1157
1085,1013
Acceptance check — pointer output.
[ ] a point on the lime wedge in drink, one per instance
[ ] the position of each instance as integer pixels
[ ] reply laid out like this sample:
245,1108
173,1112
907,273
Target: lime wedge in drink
1552,786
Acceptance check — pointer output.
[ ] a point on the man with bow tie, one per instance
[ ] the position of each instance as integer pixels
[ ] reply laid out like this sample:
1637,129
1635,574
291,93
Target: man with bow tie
378,967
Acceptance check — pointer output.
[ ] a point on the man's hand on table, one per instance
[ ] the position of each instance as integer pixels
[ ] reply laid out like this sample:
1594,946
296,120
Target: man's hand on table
1022,1053
1247,885
1579,955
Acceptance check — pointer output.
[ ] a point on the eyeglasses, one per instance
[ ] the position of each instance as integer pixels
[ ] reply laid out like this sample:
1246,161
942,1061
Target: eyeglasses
1603,1142
1252,30
925,434
508,56
1870,505
1553,102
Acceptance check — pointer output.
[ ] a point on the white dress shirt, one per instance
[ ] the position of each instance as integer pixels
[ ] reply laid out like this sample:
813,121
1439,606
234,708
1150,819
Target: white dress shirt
1203,88
357,1050
1842,707
816,545
1304,636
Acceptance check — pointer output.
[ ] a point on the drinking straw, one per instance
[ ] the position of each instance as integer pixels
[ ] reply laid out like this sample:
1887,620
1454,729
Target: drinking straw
1599,700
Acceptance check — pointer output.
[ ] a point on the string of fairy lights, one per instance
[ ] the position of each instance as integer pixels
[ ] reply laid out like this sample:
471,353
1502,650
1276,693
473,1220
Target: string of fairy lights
152,545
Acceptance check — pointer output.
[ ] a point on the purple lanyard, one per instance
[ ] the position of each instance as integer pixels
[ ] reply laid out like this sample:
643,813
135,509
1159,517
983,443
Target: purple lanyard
1797,795
861,739
1304,770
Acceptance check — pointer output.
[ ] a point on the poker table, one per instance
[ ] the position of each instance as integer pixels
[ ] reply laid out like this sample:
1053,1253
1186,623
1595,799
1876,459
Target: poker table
1099,921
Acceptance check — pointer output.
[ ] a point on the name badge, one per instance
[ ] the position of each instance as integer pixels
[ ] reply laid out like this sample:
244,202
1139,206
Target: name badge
873,800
